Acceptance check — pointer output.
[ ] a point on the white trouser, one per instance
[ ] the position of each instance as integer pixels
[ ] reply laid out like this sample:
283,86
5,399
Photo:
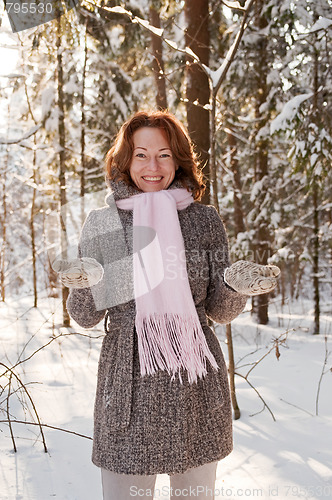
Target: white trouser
198,483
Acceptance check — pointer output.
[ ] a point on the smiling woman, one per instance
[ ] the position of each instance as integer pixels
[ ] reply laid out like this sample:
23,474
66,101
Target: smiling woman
162,401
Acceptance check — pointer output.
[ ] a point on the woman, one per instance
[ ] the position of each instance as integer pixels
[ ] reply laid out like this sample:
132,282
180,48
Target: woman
155,261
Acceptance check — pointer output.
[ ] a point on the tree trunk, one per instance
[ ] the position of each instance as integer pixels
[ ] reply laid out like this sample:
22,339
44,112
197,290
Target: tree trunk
3,219
62,166
237,185
83,162
262,236
315,194
316,259
231,370
32,230
158,62
197,84
212,160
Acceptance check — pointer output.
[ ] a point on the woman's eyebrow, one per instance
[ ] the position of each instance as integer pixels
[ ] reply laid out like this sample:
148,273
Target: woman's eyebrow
145,149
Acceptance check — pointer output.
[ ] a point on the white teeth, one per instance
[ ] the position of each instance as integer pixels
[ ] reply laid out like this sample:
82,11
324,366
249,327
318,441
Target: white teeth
152,178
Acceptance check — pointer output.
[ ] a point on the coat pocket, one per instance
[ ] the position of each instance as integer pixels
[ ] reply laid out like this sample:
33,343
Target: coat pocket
215,390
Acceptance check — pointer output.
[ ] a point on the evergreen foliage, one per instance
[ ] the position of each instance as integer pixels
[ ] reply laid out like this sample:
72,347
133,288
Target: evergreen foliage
273,126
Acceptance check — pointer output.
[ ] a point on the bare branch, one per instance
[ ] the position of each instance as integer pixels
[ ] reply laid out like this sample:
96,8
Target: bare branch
28,134
258,394
8,414
48,426
295,406
276,342
275,347
30,399
327,354
48,343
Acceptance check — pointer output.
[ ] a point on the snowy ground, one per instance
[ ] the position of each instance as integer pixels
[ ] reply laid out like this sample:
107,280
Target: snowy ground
288,458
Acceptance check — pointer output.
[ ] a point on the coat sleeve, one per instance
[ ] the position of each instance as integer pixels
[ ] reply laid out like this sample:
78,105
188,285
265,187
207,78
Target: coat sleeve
81,303
222,303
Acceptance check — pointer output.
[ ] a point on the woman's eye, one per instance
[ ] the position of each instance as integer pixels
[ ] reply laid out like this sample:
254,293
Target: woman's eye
140,155
165,155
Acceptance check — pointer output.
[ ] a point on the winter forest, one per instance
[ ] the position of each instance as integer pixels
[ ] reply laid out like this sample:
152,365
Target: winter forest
252,81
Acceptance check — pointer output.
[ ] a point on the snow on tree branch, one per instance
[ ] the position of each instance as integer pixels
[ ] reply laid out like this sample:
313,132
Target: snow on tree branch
156,31
233,5
288,112
215,77
219,75
28,134
322,24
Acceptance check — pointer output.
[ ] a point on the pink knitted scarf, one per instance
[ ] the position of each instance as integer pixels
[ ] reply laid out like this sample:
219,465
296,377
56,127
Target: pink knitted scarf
170,336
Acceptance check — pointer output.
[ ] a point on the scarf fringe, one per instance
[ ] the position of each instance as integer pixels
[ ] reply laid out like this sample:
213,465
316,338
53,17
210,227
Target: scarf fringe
171,342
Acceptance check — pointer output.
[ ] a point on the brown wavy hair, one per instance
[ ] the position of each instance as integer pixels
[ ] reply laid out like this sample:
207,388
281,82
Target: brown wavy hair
119,157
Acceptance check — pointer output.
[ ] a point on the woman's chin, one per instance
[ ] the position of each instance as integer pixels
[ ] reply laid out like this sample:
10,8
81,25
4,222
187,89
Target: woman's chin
150,187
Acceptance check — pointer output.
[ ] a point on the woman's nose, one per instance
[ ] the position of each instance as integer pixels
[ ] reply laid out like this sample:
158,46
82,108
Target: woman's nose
153,164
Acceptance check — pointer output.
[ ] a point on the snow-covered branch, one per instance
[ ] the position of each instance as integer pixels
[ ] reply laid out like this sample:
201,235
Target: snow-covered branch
233,5
288,112
28,134
216,77
156,31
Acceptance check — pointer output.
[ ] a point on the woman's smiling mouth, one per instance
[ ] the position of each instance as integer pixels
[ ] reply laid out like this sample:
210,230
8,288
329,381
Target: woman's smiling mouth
152,179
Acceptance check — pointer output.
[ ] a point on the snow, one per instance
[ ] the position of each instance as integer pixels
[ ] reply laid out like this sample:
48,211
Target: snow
288,112
313,159
24,135
148,26
48,99
215,75
191,53
118,10
289,458
135,19
172,44
322,24
284,253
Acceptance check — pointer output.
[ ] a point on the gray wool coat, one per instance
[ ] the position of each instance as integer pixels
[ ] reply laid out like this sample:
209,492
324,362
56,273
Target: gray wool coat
152,425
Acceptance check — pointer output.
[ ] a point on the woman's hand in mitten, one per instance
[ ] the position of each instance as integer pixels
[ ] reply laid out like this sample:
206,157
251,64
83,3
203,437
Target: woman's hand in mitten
249,278
78,273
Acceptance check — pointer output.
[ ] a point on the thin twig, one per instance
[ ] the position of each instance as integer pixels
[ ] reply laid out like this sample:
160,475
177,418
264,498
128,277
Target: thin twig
18,317
258,394
298,407
48,343
30,399
327,354
49,427
276,342
8,414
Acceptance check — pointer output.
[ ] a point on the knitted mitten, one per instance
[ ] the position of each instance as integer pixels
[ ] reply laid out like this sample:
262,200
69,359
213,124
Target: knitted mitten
79,273
249,278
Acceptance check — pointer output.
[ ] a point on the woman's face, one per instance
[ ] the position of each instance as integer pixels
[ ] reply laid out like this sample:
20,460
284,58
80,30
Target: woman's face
152,166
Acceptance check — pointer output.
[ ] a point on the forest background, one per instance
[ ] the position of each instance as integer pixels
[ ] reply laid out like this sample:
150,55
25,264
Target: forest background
252,81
